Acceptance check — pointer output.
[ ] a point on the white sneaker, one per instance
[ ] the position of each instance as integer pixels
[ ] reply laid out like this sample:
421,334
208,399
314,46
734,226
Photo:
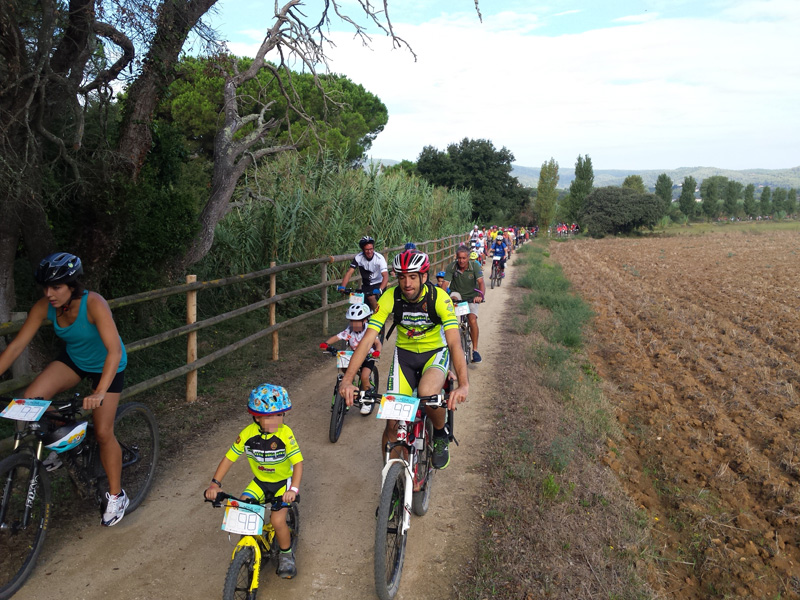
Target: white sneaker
52,462
366,408
115,509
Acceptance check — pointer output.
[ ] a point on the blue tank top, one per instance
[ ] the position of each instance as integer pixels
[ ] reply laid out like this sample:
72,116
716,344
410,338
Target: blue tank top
84,345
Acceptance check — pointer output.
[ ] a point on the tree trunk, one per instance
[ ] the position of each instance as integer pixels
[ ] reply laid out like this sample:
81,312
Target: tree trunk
176,19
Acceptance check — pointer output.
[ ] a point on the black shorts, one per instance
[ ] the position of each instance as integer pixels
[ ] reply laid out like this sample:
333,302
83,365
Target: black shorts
116,384
368,289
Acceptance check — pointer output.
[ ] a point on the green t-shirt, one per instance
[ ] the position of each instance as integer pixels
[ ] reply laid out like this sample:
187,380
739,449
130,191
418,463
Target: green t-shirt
464,283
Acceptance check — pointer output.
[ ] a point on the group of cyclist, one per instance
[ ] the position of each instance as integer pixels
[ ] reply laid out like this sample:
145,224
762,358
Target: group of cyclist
427,352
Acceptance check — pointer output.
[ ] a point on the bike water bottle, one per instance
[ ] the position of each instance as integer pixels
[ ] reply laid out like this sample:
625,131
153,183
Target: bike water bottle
402,431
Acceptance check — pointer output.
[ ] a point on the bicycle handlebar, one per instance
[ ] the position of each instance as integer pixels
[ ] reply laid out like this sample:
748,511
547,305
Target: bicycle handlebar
221,496
434,401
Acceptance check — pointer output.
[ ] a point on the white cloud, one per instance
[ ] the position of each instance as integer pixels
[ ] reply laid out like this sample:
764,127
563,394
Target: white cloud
659,93
642,18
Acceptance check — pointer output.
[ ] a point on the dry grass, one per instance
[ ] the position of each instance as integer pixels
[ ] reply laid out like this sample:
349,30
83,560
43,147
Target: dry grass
558,524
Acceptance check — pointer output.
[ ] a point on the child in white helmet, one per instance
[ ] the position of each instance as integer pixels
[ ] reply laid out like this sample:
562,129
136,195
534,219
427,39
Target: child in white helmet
358,315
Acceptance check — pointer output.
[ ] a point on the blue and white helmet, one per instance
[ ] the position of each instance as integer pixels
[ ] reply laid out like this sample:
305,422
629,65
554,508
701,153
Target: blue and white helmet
268,399
66,437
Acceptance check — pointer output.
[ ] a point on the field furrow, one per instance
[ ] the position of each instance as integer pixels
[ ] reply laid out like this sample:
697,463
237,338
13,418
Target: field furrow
697,340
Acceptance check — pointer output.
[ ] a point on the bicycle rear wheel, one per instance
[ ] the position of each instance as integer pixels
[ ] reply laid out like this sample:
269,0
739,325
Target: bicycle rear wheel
21,541
466,343
390,542
337,417
424,473
137,433
240,576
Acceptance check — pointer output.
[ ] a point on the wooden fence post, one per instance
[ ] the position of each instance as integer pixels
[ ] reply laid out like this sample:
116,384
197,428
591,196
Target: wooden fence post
324,279
191,341
273,288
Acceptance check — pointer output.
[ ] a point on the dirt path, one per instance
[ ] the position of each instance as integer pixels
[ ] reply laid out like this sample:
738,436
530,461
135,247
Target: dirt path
172,546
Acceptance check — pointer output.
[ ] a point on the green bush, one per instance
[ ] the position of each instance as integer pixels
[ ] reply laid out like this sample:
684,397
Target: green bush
612,210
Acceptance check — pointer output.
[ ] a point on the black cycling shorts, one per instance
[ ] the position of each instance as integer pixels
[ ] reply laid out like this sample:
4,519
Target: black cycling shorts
116,384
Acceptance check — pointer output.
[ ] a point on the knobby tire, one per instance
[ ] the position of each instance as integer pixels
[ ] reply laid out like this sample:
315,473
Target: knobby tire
337,417
20,547
390,543
240,576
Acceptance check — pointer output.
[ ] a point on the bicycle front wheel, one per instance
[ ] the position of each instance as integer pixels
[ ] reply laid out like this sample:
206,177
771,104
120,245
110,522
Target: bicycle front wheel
493,276
240,576
137,433
21,536
390,542
337,417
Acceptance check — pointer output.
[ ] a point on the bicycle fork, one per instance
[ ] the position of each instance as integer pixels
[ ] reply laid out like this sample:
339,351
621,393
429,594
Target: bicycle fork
249,540
408,491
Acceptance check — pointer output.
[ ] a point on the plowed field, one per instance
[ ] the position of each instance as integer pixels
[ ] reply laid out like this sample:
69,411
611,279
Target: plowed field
697,340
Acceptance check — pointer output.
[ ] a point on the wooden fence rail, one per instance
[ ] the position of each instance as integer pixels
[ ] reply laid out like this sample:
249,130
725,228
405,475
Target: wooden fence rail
440,250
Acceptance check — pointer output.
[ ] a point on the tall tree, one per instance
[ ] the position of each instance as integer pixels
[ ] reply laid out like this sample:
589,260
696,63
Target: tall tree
579,188
687,202
664,191
635,183
791,201
709,202
476,165
733,191
750,206
765,202
779,200
55,73
546,193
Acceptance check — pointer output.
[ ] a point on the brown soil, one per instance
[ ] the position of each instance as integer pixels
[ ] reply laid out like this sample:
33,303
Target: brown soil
173,547
697,340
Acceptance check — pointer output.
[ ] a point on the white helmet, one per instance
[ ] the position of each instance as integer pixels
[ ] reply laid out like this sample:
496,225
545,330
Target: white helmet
357,312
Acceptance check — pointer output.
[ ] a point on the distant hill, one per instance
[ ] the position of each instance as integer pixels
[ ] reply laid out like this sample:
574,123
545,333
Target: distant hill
785,178
529,176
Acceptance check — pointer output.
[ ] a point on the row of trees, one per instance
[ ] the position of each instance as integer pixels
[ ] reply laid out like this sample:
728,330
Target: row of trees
620,209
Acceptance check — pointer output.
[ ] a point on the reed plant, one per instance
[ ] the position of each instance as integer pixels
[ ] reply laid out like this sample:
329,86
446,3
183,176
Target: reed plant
304,208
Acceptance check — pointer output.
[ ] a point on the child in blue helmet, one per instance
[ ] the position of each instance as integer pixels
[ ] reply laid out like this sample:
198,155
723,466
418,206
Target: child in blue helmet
274,456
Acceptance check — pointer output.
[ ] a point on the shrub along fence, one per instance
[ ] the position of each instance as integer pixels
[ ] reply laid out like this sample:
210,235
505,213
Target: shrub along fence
441,251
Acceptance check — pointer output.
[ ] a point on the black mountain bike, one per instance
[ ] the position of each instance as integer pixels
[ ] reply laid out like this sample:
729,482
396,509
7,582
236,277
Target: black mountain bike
338,407
27,493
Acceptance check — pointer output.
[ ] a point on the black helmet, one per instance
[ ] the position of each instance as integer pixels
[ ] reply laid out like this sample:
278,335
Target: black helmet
60,267
364,241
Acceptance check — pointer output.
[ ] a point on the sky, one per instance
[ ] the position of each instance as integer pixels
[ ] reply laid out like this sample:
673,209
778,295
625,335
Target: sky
647,84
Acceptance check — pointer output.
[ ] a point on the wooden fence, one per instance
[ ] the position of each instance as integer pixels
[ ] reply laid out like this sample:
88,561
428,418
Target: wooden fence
441,252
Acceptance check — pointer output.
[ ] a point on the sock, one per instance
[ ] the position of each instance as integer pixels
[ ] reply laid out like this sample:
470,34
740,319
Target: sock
440,433
287,551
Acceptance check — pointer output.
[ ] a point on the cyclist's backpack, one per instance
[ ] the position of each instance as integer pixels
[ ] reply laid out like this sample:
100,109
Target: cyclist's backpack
397,312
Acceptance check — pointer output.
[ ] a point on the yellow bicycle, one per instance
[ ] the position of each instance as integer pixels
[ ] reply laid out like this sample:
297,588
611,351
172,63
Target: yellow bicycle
257,543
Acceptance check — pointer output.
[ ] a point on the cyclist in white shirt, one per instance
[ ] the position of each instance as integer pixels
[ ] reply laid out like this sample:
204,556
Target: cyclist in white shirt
373,269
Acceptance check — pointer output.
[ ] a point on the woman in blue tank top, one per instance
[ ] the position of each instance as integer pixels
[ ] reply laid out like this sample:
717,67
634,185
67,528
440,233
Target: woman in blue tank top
93,350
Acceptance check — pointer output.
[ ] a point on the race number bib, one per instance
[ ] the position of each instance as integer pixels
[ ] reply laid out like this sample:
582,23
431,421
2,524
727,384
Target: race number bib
243,518
343,359
398,407
357,298
25,409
